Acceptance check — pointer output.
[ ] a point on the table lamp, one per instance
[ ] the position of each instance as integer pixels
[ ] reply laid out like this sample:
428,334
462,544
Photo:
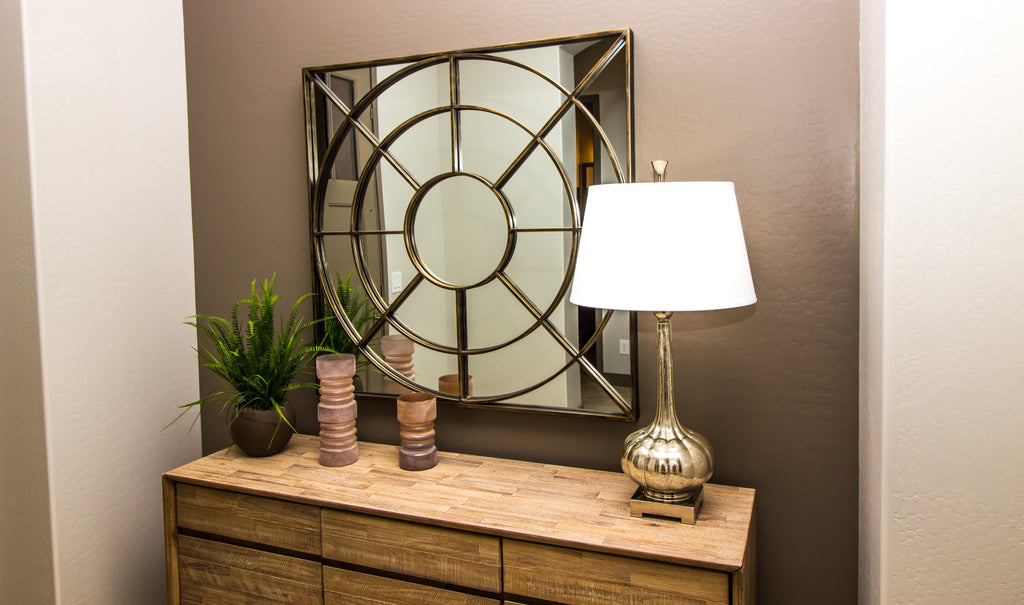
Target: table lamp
663,247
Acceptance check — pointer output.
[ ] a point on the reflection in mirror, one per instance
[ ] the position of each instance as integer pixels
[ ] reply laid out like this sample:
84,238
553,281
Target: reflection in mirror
451,188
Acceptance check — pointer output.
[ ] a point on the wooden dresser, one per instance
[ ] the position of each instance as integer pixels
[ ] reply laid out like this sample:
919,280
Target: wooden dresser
470,530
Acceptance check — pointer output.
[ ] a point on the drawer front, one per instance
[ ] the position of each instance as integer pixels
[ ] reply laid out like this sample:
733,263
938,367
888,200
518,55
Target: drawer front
444,555
566,575
216,573
254,519
342,586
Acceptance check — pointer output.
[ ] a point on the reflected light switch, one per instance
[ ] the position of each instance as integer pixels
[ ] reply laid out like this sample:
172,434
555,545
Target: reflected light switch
623,346
396,282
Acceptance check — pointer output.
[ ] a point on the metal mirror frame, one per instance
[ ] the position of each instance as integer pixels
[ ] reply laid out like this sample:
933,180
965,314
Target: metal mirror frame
315,82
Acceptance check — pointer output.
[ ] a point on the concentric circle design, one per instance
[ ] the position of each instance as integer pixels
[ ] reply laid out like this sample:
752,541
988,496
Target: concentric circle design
478,245
493,192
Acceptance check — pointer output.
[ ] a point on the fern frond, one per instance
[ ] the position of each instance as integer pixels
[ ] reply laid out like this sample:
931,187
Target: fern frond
257,355
357,307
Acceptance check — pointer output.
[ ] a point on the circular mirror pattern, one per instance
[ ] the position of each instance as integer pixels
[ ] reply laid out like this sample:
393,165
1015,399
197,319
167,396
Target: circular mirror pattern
460,230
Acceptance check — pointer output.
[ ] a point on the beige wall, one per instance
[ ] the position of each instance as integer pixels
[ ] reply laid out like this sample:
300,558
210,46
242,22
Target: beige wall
26,559
97,277
872,231
942,334
762,92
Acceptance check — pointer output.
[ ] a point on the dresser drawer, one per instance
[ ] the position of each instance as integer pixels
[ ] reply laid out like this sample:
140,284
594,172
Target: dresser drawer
423,551
217,573
345,587
275,523
573,576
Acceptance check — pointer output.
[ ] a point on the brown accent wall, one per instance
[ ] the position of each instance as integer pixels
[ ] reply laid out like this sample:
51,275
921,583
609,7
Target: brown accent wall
760,92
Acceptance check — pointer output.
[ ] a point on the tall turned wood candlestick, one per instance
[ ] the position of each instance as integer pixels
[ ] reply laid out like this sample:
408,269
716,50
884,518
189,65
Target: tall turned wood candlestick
416,415
397,351
337,409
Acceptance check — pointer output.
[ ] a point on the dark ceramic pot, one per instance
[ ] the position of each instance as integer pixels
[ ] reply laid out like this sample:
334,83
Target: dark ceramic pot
262,432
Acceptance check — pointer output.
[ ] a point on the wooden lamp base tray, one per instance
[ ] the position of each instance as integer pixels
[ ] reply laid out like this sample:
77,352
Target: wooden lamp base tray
686,512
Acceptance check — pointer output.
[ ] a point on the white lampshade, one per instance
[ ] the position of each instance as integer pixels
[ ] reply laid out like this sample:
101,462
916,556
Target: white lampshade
674,246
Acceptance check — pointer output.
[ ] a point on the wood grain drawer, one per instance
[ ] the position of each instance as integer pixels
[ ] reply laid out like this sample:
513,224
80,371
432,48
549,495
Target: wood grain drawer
255,519
573,576
214,573
342,586
423,551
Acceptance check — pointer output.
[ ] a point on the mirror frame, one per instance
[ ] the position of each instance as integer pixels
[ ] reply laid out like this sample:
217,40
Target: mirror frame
315,83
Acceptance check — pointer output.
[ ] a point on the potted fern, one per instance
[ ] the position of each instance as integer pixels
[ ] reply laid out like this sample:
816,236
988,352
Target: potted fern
259,364
360,312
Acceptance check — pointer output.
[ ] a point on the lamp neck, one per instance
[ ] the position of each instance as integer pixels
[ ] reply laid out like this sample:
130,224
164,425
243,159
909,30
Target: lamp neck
665,414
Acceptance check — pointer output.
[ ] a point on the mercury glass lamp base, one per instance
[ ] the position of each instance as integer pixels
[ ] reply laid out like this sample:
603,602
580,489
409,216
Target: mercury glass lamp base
686,510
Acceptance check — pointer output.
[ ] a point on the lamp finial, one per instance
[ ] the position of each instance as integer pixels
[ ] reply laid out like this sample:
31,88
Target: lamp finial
660,167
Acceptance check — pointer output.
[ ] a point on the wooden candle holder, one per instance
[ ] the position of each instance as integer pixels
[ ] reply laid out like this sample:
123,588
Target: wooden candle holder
337,409
449,384
397,351
416,415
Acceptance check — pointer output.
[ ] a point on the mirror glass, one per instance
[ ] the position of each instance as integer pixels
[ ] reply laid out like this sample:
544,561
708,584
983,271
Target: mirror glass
447,193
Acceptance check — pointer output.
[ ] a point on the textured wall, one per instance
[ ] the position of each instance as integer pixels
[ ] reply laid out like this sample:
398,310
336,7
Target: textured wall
763,93
945,399
107,155
26,558
872,300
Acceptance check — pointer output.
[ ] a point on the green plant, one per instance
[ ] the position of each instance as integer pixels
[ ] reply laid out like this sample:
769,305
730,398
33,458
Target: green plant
357,308
258,362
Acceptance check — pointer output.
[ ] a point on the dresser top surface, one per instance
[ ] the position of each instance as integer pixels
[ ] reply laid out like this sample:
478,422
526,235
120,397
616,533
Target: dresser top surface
579,508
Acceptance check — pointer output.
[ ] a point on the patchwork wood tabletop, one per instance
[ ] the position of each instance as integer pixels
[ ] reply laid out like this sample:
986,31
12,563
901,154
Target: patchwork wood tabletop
542,503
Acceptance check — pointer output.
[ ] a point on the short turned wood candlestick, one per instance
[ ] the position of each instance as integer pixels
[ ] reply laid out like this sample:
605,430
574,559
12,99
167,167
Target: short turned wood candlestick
337,409
449,384
397,351
416,415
